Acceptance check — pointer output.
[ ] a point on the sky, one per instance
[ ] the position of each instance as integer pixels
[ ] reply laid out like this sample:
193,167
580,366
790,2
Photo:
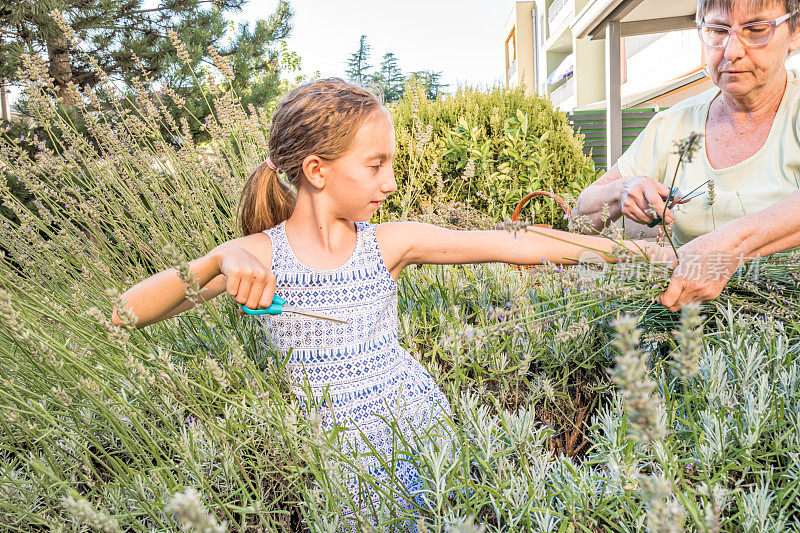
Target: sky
461,38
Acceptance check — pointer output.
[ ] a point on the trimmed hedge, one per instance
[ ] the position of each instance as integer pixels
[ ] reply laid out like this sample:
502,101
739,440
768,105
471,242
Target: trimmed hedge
486,150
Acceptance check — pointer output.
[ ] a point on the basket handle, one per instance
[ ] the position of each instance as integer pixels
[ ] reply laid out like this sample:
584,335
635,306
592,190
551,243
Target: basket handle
525,200
527,197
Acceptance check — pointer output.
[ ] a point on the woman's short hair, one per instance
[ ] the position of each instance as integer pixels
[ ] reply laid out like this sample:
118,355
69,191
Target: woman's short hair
704,6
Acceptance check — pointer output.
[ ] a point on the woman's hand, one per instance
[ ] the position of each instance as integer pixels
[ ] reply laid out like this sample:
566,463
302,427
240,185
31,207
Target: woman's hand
705,266
248,280
639,195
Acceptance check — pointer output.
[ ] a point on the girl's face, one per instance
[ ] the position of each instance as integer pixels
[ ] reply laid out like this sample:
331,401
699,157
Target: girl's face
361,179
744,71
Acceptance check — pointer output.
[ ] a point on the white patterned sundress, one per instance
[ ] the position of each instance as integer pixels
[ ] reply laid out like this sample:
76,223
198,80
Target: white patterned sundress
360,366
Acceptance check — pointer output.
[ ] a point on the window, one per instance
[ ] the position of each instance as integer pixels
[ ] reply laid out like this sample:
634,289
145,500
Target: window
511,55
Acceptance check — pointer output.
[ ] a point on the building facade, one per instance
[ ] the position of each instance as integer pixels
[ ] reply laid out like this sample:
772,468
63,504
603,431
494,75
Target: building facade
559,49
544,53
607,55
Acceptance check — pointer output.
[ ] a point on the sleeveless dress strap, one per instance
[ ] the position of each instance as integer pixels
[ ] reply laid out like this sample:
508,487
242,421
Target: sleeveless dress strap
277,234
373,251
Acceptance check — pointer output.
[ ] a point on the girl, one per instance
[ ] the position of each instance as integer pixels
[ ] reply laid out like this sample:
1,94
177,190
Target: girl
314,248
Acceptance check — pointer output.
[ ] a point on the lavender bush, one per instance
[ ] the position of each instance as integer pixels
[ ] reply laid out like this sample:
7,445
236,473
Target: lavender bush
575,407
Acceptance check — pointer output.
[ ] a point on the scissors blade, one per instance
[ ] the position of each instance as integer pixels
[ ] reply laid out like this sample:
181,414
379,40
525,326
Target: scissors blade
688,195
312,314
681,198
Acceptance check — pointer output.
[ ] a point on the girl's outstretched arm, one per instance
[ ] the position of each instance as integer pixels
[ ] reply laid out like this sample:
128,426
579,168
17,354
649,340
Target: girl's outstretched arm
236,267
162,295
405,243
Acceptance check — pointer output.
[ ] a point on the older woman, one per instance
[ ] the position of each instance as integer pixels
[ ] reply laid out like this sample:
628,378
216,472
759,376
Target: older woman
751,151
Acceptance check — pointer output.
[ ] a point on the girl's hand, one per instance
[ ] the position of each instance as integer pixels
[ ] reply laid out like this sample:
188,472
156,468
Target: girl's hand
248,280
664,255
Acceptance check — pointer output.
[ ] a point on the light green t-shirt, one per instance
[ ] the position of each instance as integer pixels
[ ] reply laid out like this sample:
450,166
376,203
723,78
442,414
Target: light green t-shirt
748,187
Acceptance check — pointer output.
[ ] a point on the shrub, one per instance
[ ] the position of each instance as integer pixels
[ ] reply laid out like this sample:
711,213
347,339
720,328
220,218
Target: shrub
486,150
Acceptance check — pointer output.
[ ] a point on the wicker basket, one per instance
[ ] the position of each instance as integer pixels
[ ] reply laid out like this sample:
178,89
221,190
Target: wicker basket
525,200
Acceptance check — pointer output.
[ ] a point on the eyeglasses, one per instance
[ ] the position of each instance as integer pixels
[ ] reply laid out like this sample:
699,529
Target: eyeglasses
752,34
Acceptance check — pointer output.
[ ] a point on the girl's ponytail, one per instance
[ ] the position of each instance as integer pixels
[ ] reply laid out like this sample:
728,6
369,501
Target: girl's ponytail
266,200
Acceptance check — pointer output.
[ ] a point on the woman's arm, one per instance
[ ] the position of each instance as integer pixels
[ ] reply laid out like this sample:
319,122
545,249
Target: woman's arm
405,243
707,263
603,191
774,229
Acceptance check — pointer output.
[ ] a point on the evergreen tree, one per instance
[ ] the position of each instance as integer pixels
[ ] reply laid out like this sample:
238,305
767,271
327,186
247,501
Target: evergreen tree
112,31
390,78
431,81
358,66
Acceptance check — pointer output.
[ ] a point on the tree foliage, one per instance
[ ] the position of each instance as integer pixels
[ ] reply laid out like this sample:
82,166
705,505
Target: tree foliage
128,39
390,78
430,80
358,66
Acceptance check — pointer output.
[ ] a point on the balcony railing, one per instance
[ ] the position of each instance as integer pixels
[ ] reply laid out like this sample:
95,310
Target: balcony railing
556,10
563,92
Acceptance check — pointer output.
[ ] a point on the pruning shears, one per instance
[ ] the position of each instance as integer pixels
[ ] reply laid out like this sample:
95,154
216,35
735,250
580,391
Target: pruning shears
279,306
679,198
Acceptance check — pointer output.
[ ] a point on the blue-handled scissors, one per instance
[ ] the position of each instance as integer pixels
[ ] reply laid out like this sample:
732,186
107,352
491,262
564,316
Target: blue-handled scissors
279,306
679,198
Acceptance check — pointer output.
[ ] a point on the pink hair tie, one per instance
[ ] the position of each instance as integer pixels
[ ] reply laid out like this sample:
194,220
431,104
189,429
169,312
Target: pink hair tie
271,165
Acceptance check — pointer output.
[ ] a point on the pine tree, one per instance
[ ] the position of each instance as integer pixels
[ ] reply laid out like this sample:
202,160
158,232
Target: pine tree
112,31
431,81
358,66
390,78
